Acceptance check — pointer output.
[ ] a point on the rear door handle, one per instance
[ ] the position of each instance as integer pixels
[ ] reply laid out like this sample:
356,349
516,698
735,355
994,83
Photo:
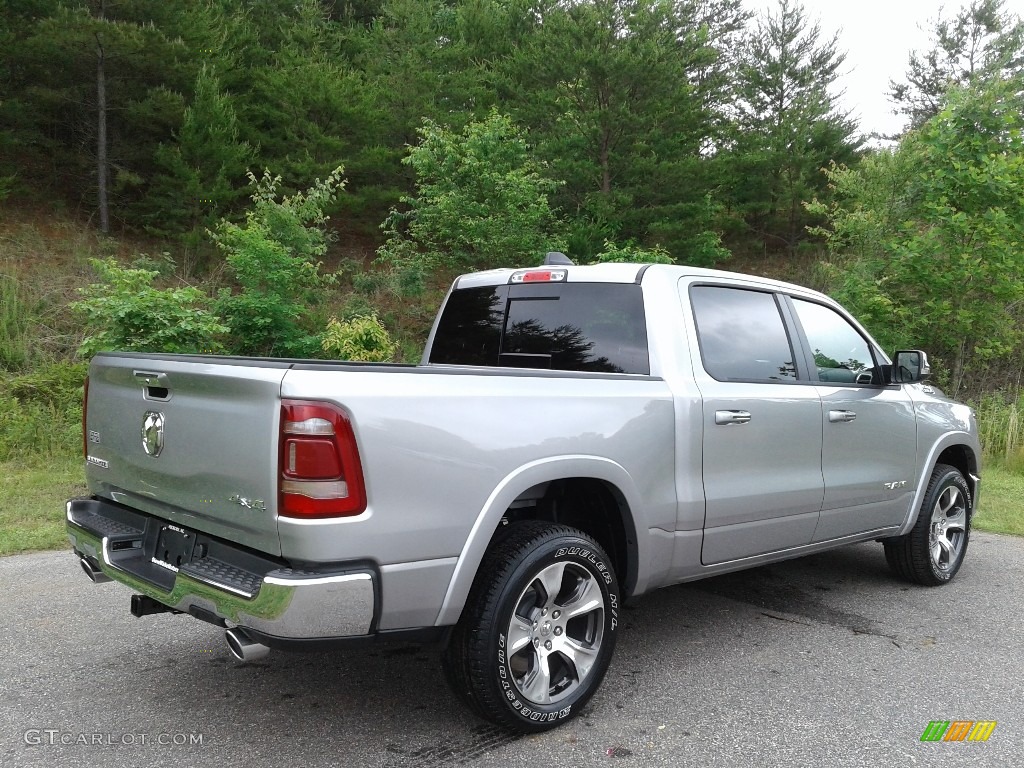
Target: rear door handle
731,417
840,416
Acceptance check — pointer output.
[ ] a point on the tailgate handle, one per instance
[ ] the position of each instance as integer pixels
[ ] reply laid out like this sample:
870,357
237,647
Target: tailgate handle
837,417
155,385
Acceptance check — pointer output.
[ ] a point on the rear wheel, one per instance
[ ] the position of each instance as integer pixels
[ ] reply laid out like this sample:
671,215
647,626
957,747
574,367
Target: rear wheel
538,630
933,551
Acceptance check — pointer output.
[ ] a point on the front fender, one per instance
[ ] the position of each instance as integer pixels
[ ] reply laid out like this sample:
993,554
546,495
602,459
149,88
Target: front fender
948,440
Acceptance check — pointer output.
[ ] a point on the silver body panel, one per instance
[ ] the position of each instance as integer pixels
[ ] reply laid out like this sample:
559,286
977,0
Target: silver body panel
446,450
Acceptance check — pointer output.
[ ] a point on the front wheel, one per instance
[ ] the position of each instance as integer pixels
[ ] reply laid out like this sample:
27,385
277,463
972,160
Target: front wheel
538,629
933,551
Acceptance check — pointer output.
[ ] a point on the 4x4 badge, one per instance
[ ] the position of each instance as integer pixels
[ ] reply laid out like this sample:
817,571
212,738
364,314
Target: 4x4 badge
153,433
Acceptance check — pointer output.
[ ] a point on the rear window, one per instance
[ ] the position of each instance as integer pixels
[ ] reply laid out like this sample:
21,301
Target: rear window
565,327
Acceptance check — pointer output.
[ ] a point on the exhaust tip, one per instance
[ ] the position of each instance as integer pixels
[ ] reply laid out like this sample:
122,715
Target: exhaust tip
92,570
243,647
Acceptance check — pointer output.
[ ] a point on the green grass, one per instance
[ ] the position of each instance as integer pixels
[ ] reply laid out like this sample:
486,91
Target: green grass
1002,501
32,498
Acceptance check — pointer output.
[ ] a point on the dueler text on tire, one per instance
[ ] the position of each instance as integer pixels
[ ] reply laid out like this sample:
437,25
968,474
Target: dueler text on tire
538,630
933,551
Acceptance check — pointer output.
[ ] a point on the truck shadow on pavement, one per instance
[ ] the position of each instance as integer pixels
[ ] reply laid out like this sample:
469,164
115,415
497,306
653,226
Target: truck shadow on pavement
390,705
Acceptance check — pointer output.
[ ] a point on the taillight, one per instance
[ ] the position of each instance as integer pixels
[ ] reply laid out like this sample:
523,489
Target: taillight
85,407
320,472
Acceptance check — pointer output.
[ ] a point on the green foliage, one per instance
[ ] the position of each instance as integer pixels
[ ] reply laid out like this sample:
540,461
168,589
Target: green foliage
626,101
1001,428
481,201
126,312
55,385
201,170
41,412
789,124
15,338
631,253
981,41
1000,509
362,338
274,257
929,237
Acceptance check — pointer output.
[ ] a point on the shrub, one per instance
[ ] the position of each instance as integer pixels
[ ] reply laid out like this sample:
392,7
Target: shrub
273,257
125,312
361,338
631,253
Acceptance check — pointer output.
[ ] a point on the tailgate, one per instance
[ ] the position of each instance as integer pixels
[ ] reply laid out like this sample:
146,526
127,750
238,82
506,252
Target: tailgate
189,439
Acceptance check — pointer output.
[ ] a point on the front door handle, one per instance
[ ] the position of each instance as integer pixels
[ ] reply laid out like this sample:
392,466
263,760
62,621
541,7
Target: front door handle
840,416
731,417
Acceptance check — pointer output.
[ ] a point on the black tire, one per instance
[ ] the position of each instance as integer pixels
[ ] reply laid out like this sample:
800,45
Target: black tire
934,549
513,630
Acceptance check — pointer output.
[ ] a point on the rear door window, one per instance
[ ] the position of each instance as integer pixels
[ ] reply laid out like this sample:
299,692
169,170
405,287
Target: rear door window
741,335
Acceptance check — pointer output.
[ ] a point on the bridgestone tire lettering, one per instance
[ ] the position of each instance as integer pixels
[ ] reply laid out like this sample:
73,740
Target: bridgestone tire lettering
511,622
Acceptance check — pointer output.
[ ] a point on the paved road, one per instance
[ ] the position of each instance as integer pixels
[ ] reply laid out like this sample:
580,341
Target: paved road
824,661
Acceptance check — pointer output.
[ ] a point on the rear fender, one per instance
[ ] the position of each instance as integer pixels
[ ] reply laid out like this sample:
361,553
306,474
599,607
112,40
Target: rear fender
510,488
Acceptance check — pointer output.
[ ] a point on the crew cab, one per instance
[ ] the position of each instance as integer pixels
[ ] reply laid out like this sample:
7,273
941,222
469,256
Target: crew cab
575,437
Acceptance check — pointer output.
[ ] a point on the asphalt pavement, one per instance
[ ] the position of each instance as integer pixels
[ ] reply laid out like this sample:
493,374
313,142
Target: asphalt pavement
822,661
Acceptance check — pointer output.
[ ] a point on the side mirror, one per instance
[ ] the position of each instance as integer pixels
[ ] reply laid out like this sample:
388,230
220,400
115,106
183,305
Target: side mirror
911,365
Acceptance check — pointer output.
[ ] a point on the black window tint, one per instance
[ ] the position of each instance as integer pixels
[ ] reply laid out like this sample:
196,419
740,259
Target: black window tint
741,335
561,326
469,332
841,354
577,327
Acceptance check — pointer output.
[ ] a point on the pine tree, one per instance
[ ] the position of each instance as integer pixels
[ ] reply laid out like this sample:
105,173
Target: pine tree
789,123
202,172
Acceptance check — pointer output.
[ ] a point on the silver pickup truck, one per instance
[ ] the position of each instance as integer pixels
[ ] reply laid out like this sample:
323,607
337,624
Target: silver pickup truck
574,438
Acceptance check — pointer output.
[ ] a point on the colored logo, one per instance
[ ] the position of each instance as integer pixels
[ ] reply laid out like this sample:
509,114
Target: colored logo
958,730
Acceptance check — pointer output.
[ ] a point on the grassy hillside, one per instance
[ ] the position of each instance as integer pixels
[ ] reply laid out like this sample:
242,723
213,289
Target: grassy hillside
44,260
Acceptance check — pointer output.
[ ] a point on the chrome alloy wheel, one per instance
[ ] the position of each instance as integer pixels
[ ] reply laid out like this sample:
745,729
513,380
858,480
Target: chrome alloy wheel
555,633
948,532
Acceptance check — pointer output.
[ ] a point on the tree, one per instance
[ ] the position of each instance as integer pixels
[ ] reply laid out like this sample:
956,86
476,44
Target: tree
481,200
982,40
78,73
789,123
620,97
928,237
201,169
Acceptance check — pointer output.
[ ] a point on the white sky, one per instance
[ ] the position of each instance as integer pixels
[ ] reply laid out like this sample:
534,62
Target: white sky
877,36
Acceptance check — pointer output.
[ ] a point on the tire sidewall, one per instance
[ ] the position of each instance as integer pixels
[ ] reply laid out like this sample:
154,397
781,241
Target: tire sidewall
561,549
952,477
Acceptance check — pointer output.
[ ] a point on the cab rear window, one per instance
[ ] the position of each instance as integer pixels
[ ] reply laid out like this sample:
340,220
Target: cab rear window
596,327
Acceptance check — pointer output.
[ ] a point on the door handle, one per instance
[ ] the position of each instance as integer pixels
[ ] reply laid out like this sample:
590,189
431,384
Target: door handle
840,416
731,417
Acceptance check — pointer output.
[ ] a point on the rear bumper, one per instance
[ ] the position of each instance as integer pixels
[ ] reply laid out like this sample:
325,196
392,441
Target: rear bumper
235,586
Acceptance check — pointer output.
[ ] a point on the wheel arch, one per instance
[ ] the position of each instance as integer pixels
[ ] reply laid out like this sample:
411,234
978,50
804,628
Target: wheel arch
956,450
528,493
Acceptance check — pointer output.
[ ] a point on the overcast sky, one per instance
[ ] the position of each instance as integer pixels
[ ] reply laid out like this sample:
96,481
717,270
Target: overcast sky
877,36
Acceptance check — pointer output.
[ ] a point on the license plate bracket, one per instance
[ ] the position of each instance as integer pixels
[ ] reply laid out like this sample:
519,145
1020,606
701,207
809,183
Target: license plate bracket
174,547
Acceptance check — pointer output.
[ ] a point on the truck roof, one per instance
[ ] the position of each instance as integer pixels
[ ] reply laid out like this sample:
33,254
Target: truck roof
620,273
